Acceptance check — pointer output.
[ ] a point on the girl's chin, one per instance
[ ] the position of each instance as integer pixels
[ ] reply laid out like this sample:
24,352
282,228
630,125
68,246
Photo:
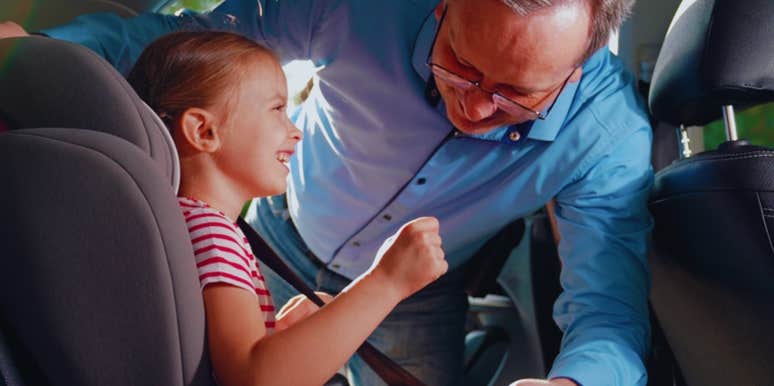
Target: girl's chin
266,190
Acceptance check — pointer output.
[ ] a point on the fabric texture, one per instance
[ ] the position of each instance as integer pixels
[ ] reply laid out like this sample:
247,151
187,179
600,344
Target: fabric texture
223,254
97,265
377,152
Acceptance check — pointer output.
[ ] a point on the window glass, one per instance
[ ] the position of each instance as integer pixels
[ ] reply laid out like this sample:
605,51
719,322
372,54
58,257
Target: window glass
755,124
176,6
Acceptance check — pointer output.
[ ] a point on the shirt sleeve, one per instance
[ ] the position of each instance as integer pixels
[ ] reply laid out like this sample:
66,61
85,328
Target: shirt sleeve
220,258
604,226
120,41
287,27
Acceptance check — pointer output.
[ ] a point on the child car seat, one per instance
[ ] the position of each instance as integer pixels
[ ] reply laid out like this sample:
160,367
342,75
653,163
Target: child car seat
97,278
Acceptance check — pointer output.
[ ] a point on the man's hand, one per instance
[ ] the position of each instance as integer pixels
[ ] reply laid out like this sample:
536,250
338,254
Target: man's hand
539,382
298,308
10,29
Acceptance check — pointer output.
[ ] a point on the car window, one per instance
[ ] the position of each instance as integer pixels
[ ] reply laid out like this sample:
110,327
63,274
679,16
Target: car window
175,6
754,124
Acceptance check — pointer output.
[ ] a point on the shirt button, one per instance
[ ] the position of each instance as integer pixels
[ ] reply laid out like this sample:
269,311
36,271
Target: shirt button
387,217
421,181
514,136
336,266
356,243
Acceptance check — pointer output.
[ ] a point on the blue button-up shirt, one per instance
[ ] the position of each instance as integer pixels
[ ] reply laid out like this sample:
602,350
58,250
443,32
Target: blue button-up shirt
378,151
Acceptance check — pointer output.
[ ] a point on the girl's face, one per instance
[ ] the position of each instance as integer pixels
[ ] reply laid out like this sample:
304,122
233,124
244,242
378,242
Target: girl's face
258,137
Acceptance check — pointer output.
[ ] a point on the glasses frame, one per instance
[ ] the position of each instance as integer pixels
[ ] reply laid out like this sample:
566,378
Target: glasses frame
500,100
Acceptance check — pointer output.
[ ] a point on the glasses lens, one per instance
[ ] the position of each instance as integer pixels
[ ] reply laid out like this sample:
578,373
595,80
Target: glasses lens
512,108
452,79
503,103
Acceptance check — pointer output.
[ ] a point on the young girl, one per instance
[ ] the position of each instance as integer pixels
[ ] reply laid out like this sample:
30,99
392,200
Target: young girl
223,97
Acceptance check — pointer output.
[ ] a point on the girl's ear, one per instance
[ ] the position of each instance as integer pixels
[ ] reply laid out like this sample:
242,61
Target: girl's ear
199,129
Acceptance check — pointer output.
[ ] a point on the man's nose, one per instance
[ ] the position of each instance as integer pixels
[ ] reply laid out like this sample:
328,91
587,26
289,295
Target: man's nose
477,105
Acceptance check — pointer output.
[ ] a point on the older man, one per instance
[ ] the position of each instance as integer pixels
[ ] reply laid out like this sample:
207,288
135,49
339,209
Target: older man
475,111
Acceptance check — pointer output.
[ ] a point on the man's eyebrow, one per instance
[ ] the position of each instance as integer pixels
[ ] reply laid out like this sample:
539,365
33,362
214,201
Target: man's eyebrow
461,59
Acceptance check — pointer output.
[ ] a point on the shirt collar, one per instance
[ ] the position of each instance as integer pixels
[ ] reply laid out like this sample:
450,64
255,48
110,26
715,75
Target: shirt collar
543,130
422,46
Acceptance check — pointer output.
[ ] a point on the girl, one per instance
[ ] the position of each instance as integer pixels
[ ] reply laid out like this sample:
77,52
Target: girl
223,97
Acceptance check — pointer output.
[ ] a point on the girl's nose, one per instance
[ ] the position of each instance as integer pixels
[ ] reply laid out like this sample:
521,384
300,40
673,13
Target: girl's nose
295,133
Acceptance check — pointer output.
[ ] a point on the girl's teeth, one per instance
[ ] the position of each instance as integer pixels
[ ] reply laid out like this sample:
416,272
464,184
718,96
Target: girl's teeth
283,157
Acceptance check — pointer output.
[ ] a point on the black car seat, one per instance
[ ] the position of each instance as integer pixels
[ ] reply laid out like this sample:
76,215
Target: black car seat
712,259
97,278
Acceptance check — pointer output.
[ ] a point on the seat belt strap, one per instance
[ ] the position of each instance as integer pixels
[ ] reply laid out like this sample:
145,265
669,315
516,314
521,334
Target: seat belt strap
390,372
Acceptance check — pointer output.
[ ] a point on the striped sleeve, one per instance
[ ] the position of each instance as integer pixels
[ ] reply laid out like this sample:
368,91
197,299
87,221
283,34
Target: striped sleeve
220,257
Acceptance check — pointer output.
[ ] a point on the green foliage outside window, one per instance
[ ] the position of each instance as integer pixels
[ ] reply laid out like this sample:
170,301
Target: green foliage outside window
194,5
755,125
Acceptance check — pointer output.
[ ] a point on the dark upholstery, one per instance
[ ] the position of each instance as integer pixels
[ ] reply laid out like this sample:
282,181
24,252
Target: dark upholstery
712,259
97,278
716,52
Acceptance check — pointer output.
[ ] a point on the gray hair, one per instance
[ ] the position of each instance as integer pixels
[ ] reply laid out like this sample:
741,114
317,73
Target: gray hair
606,16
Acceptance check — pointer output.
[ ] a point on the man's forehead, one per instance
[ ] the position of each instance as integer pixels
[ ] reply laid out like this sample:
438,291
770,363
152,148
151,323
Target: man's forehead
495,17
541,46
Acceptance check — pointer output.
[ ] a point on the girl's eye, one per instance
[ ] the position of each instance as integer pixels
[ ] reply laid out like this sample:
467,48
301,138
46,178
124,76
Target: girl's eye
280,107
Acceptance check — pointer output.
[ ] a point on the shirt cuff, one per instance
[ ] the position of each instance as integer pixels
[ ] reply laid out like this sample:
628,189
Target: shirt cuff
600,364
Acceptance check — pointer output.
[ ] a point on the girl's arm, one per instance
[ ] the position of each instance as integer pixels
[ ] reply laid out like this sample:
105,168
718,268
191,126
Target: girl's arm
312,350
298,308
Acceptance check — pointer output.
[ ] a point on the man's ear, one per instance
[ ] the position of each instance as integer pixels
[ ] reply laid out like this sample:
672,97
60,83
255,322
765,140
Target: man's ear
199,129
576,75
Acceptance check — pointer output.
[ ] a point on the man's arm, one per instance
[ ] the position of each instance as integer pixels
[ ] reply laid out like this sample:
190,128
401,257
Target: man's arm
120,41
287,27
10,29
604,226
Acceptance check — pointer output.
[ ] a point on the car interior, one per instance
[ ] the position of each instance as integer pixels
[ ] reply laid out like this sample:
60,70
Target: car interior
98,283
712,252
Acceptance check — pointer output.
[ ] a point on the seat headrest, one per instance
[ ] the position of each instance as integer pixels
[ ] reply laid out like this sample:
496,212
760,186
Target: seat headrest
52,83
715,53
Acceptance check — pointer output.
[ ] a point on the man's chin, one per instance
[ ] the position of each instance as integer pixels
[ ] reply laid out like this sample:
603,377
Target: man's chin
476,128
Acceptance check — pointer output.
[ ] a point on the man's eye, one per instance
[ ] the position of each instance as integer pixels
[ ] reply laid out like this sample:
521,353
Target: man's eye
513,94
518,95
467,68
280,107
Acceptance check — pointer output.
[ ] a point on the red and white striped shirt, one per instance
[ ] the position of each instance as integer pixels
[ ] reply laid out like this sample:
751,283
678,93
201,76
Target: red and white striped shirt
223,254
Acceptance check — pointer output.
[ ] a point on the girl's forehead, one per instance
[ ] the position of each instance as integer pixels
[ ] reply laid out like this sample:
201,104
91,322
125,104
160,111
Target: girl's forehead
264,81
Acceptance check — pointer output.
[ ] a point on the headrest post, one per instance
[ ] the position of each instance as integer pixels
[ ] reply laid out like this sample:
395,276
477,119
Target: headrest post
683,142
730,122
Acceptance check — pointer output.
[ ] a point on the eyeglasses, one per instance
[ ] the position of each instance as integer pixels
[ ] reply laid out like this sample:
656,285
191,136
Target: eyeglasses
502,102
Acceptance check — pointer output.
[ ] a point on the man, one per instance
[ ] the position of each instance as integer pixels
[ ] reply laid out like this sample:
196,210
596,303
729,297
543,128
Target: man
477,112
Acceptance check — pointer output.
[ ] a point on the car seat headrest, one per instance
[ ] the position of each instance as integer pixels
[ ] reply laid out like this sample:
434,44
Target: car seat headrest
52,83
715,53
